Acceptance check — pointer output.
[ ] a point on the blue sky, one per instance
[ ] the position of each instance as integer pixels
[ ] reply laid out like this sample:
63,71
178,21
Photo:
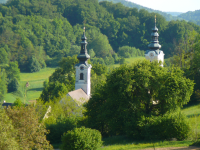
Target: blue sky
170,5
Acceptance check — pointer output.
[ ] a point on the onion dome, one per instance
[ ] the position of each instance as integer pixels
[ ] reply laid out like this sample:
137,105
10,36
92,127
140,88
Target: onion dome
154,45
83,56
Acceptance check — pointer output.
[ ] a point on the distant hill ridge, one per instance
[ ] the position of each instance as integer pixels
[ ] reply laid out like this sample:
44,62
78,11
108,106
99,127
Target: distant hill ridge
191,15
168,15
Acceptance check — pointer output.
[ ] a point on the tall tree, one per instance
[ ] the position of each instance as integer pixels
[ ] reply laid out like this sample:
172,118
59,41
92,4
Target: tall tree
130,92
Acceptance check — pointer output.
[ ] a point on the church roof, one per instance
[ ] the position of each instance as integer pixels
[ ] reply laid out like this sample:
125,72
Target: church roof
79,96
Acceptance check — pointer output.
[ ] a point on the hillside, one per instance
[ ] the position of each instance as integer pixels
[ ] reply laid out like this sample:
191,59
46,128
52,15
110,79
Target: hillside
174,13
168,16
193,16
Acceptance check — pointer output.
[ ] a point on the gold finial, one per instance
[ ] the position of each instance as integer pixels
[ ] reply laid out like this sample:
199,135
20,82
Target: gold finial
84,25
155,18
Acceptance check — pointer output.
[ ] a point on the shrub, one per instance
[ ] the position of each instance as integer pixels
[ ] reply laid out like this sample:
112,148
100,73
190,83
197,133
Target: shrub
13,85
171,125
81,139
34,65
58,128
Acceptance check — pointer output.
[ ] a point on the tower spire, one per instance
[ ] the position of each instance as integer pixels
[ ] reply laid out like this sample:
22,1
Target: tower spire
154,52
83,56
154,45
83,69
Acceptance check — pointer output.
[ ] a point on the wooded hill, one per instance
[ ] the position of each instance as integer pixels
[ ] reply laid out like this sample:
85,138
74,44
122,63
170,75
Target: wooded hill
41,32
193,16
168,16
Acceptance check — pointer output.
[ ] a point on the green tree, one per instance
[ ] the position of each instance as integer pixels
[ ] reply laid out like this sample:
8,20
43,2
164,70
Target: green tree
3,84
101,46
34,65
3,56
62,80
130,92
18,103
8,133
30,133
13,76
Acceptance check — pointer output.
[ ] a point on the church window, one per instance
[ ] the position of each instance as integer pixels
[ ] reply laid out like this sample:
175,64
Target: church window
81,76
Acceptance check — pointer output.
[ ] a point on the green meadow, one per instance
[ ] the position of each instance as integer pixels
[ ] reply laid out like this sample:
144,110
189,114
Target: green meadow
33,91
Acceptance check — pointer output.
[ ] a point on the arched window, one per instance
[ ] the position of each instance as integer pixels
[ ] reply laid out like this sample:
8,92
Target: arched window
81,76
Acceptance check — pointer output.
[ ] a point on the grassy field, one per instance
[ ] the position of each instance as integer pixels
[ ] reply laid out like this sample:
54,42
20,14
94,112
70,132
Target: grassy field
35,80
129,61
121,143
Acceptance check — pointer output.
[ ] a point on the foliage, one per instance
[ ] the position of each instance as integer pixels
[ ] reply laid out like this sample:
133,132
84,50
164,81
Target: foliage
130,92
34,65
47,31
13,76
191,15
168,126
30,133
64,115
62,80
127,52
81,139
8,133
3,84
167,15
18,103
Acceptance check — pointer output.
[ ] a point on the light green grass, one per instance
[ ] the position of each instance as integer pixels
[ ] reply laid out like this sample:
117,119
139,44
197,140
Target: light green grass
128,61
35,80
133,59
142,145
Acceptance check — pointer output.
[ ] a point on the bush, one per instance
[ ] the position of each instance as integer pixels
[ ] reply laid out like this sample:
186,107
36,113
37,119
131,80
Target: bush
173,125
13,85
81,139
58,128
34,65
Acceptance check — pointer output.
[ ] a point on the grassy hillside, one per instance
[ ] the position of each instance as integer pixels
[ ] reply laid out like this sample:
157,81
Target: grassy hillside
36,85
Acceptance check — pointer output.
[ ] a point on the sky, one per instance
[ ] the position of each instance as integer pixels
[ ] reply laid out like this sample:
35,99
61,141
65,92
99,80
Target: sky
170,5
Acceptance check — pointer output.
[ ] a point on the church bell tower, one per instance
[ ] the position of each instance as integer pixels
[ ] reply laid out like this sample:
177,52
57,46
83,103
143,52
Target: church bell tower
83,69
155,54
